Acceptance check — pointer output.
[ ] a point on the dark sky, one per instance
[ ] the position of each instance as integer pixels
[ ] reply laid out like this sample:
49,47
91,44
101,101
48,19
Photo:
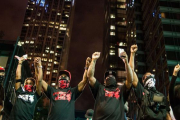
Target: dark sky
87,36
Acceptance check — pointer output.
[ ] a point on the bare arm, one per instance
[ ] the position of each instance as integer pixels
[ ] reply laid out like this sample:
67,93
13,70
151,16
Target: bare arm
129,79
133,50
39,73
135,79
18,72
91,70
84,81
44,84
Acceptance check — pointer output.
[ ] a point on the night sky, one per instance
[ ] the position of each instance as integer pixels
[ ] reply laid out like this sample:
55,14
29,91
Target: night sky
87,37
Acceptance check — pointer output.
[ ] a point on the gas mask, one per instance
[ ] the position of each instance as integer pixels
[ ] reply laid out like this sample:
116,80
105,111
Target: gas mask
63,83
110,81
149,82
29,88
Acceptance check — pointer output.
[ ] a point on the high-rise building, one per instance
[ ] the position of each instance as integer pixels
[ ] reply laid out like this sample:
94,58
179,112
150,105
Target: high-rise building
155,26
46,33
114,36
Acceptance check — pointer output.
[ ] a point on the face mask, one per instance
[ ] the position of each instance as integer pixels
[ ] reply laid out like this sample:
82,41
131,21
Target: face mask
110,82
2,78
149,82
63,83
29,88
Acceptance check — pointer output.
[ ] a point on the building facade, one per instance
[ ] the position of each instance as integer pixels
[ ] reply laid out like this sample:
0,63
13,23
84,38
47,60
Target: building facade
46,33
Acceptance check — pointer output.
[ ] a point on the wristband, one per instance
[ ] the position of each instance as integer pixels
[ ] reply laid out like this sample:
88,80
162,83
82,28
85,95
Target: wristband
86,68
40,66
18,80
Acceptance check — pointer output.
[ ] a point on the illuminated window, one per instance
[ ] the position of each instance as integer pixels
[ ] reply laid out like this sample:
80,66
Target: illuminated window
55,62
47,48
112,16
49,64
58,46
51,26
48,68
56,27
26,24
112,33
44,55
31,42
53,84
51,51
163,15
47,51
112,46
27,41
61,28
50,60
58,13
67,15
48,72
112,52
121,6
51,22
22,43
112,27
54,71
29,58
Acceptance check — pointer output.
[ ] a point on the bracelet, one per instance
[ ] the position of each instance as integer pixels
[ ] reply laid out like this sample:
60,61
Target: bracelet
86,68
40,66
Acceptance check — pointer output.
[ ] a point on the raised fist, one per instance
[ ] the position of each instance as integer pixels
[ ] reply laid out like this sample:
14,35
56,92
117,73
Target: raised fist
21,59
96,55
134,48
88,61
124,56
176,69
37,61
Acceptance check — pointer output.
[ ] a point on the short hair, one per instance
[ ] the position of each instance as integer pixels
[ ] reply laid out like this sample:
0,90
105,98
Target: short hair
30,78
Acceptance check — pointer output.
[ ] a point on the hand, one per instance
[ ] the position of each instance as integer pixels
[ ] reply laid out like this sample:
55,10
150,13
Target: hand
124,56
96,55
176,70
21,59
88,61
37,61
134,48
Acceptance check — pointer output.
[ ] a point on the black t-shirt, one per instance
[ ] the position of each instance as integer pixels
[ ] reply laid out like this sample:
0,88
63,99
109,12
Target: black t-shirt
62,103
109,103
24,106
140,92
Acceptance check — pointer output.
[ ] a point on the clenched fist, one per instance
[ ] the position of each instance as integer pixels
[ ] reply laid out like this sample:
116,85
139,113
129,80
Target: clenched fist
134,48
124,56
37,61
88,61
96,55
176,70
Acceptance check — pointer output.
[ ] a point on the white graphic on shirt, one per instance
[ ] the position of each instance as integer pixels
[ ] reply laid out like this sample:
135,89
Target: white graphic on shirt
27,98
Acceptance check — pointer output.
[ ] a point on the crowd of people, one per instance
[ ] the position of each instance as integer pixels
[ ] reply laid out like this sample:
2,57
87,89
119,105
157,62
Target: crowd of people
110,98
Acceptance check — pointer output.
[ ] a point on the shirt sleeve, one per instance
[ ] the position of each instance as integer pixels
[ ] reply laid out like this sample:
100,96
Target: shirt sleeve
171,90
76,92
37,96
48,92
125,92
95,89
139,91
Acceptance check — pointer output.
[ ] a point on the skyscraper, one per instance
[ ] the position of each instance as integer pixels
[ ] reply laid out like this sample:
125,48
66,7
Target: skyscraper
159,46
46,33
114,36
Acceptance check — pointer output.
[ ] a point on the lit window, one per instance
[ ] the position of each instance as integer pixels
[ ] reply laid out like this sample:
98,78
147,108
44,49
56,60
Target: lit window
47,51
47,48
56,27
112,52
112,16
58,13
112,46
53,84
48,68
112,33
58,46
27,41
124,18
44,55
50,60
61,28
32,42
22,43
112,27
29,58
51,51
121,6
54,71
55,62
163,15
51,26
51,22
26,24
48,72
49,64
67,15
